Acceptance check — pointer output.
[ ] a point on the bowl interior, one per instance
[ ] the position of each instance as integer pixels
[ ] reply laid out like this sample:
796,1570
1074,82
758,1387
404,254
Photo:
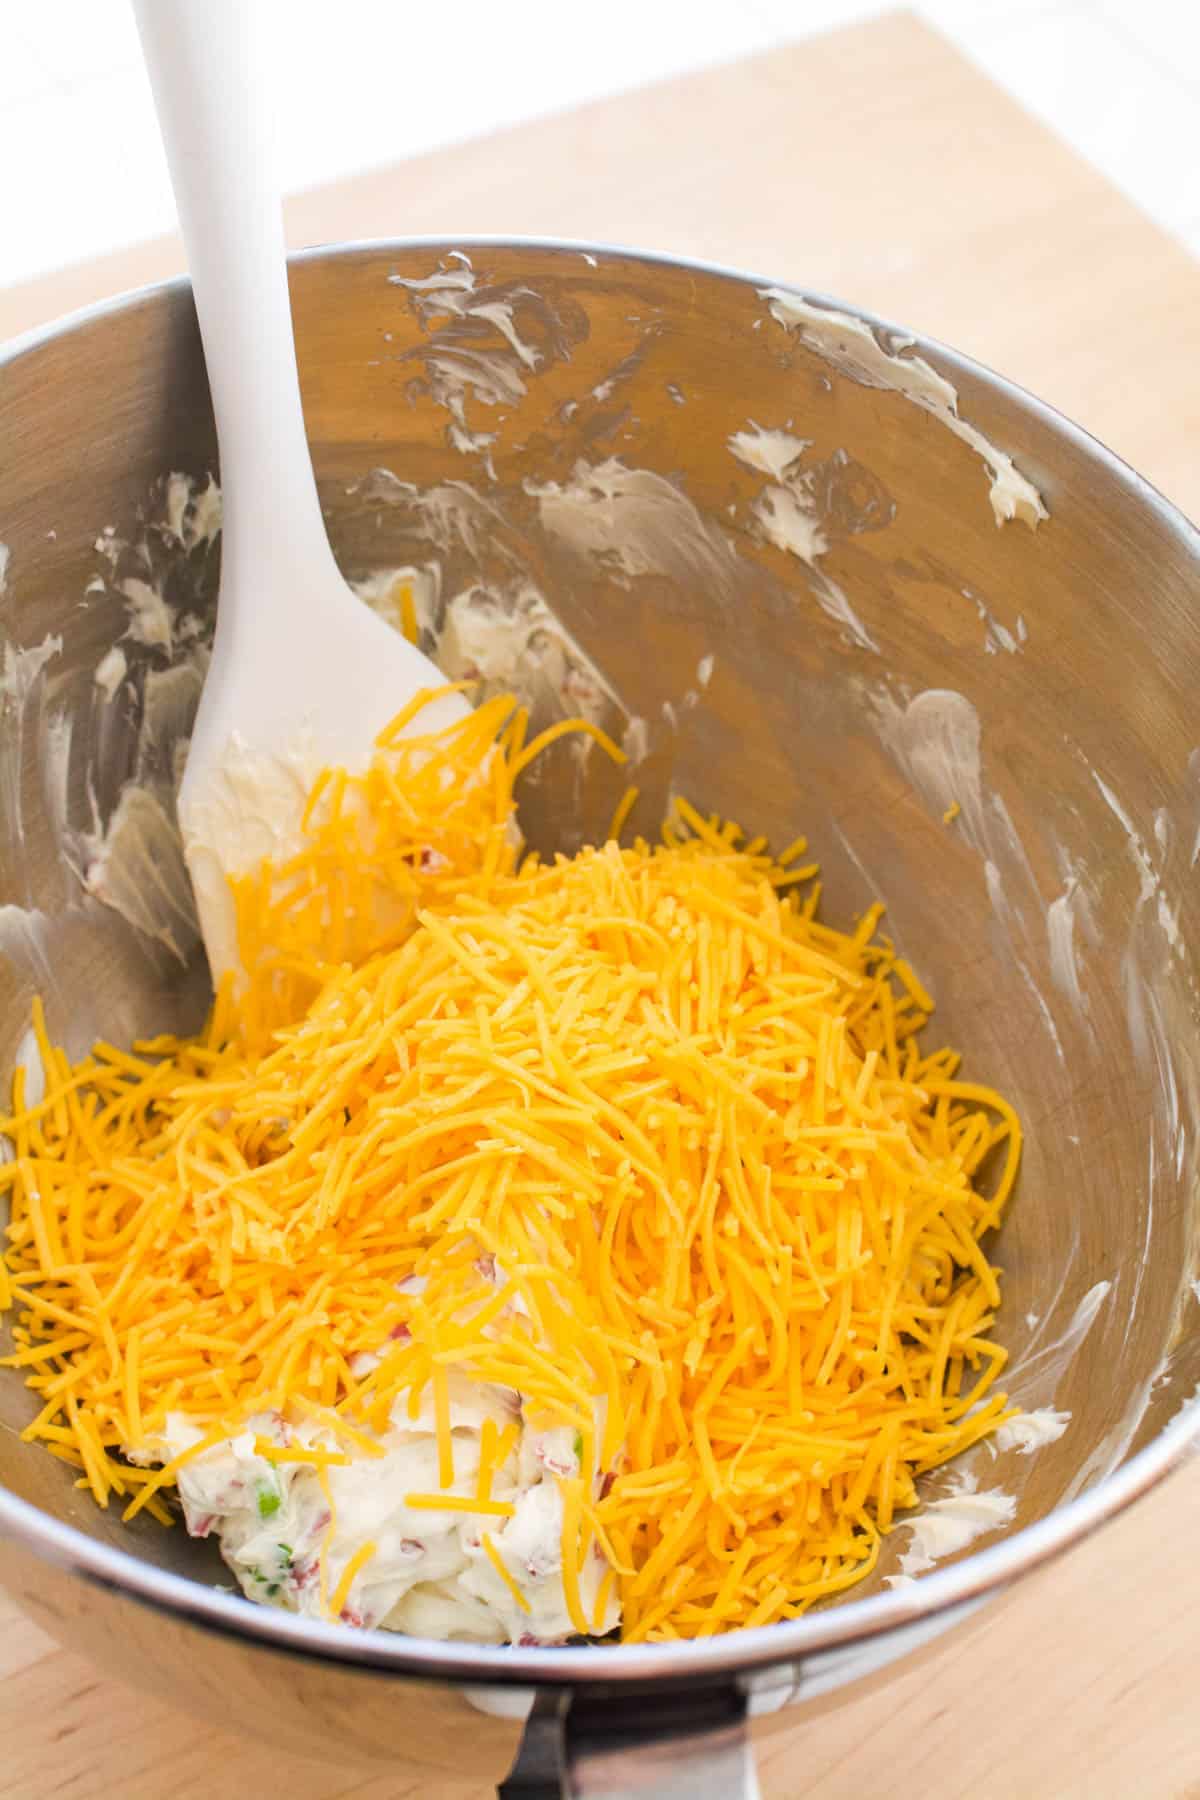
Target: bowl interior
758,546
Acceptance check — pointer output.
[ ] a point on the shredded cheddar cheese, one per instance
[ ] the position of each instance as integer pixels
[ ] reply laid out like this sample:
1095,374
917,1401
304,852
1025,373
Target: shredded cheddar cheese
357,1563
663,1151
468,1503
498,1563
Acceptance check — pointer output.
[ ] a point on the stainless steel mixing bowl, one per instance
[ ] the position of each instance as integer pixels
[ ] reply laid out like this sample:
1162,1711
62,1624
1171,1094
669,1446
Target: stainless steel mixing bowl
832,635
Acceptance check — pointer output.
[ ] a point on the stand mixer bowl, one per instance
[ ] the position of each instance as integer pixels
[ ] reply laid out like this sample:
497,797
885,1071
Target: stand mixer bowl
766,543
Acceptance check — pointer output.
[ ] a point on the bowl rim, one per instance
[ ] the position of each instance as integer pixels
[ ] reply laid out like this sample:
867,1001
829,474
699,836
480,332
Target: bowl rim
944,1592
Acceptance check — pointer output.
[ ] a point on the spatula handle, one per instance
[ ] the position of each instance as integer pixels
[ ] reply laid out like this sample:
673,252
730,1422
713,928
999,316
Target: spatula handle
215,111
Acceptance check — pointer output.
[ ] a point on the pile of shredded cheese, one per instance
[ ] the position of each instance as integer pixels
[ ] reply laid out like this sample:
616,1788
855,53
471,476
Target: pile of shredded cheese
663,1152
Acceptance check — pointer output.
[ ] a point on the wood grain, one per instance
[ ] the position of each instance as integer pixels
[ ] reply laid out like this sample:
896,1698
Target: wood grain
1079,1685
877,165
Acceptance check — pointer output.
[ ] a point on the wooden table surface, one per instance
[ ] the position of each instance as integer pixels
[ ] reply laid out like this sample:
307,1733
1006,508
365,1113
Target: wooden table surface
877,165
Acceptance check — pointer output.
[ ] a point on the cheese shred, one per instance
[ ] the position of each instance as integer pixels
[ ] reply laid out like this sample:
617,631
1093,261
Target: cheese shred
664,1153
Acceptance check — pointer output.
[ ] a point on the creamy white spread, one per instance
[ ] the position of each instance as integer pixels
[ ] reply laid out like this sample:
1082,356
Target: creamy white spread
111,671
944,1527
248,808
288,1531
770,452
790,521
1031,1431
853,348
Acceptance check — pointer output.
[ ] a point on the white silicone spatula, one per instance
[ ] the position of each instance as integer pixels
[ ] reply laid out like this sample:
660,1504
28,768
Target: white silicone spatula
303,674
